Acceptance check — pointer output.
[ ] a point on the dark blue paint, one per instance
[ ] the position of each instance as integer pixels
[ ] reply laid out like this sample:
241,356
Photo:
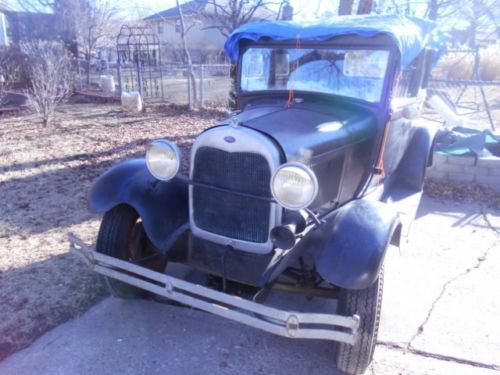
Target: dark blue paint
355,242
162,206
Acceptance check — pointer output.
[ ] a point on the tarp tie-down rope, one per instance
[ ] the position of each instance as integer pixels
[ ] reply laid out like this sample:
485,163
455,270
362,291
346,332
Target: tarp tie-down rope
291,94
380,168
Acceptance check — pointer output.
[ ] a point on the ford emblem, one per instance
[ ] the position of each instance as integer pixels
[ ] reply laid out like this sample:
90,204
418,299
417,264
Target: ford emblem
229,139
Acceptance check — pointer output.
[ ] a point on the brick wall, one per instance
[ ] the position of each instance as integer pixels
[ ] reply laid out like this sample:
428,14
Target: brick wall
483,171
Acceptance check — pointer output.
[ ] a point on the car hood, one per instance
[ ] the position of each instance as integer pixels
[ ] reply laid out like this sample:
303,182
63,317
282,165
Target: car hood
307,134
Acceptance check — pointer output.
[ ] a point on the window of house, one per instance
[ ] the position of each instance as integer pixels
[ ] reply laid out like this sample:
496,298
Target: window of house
160,28
177,26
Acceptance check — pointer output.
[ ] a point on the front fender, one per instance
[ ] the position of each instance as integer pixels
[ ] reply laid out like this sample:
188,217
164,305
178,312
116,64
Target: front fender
162,206
354,243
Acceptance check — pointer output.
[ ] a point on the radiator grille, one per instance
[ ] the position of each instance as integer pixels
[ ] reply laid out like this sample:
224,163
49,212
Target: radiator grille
231,194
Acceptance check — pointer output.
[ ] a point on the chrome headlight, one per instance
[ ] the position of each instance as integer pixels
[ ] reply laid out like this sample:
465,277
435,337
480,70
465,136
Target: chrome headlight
294,186
163,159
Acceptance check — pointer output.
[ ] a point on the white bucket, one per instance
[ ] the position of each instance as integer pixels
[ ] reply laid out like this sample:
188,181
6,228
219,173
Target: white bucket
131,101
107,83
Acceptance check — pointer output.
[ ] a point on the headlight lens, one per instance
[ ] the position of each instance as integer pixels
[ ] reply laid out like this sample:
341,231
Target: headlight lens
294,186
163,159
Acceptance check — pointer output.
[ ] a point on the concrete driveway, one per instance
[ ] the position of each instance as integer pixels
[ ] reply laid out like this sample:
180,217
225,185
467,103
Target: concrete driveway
440,316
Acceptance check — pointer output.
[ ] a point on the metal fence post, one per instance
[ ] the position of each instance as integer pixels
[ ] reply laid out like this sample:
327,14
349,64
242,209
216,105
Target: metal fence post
119,68
139,78
202,99
190,105
78,68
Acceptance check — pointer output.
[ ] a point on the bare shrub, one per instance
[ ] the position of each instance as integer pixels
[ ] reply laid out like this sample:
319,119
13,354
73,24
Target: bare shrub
488,69
456,66
51,77
460,66
13,68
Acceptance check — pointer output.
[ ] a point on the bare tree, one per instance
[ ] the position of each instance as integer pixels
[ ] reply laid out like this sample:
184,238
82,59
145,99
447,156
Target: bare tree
94,22
345,7
187,54
365,6
89,23
49,65
227,15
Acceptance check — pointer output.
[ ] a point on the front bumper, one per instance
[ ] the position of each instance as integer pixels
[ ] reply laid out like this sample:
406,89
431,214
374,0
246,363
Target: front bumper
279,322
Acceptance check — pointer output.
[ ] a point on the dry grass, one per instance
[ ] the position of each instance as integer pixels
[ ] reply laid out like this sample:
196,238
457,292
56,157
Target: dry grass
455,67
462,192
489,63
459,66
45,177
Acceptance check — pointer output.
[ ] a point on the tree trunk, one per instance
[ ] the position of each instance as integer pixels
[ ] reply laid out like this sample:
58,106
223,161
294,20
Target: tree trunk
87,58
433,10
233,94
188,58
345,7
365,6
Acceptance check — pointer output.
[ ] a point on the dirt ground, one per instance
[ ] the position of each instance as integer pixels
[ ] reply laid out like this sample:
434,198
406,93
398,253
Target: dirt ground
45,176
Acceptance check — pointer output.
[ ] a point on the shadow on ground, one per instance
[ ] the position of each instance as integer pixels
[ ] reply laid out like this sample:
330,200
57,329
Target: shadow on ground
42,295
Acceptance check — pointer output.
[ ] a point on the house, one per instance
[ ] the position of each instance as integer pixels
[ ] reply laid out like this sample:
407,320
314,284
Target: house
4,40
17,27
206,43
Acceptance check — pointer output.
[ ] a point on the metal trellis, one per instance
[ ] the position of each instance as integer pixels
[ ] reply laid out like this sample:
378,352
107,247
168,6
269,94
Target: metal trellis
139,61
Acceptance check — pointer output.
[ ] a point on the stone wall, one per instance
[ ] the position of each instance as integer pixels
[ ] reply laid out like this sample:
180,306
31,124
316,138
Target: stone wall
483,171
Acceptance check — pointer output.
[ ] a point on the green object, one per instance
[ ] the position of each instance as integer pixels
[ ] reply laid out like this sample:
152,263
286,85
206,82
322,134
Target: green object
462,141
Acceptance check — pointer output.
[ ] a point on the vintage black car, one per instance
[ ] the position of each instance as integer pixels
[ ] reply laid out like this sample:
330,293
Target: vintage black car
304,188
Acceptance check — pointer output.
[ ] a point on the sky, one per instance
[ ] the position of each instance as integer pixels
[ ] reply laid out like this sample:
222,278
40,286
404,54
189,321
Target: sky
304,10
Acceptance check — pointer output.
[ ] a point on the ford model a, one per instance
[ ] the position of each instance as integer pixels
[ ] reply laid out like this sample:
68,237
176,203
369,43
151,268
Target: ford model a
318,172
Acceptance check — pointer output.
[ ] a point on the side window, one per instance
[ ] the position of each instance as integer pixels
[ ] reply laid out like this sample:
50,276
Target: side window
407,83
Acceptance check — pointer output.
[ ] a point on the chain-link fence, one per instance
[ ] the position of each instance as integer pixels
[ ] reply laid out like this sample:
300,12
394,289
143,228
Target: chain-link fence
469,80
168,82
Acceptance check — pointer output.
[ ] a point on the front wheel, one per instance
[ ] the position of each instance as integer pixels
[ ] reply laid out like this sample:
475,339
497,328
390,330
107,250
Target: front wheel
122,236
367,304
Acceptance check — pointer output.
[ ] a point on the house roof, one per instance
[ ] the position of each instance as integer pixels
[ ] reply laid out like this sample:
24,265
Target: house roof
189,8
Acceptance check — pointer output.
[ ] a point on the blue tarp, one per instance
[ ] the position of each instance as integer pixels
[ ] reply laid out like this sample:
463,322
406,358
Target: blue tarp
410,34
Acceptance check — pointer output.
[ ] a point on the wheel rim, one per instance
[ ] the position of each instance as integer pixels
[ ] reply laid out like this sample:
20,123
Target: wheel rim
141,251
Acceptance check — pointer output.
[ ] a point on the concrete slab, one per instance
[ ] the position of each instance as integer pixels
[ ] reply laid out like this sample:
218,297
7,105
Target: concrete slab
444,280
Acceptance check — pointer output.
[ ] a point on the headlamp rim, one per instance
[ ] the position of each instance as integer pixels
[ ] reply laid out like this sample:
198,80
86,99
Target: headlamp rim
309,172
174,148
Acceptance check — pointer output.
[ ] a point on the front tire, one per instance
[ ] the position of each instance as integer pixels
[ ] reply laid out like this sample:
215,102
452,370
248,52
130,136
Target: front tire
367,303
122,236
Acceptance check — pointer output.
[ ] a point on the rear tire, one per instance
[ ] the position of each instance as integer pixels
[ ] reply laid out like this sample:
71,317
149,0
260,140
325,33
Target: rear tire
121,236
367,303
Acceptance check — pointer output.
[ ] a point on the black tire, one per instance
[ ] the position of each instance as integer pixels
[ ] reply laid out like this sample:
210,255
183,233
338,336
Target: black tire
121,236
367,303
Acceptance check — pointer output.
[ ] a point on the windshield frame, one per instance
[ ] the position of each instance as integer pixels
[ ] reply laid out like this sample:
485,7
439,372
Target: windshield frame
391,68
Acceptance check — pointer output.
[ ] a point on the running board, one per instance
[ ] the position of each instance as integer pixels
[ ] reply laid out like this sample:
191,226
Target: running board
279,322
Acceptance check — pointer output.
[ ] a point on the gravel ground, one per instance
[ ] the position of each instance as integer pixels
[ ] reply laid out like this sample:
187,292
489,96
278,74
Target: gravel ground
45,176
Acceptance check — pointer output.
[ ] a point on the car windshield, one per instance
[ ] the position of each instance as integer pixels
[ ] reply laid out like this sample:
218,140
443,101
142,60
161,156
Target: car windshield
355,73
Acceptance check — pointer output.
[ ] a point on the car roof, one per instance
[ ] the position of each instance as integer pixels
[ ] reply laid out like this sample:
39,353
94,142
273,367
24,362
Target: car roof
409,34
